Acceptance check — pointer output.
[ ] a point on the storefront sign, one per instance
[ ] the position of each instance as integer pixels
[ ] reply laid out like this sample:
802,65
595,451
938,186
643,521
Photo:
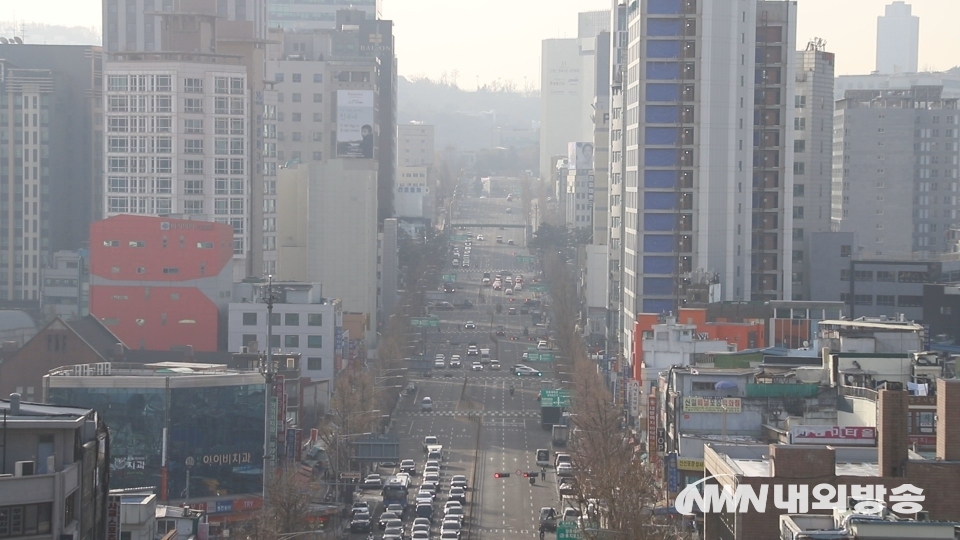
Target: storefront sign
661,440
923,440
847,436
690,464
135,463
113,517
652,427
711,404
673,475
235,458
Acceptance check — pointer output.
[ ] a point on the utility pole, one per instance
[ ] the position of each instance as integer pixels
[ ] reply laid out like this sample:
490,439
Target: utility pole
266,368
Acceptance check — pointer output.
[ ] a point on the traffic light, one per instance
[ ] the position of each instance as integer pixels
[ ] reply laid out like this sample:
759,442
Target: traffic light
501,475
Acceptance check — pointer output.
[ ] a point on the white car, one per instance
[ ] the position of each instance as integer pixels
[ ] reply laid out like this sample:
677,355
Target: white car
451,504
476,366
466,264
480,237
470,325
508,292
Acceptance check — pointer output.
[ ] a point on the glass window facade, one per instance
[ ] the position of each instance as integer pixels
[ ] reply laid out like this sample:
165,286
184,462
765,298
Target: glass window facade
219,427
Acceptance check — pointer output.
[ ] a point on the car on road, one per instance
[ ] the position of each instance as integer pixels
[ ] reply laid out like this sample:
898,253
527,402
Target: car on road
430,440
396,509
456,262
480,237
458,480
476,366
466,264
508,280
449,535
408,466
393,533
432,463
439,363
542,345
421,522
501,331
432,479
426,404
509,210
497,285
495,365
472,350
512,311
372,481
499,239
518,286
451,504
360,523
485,281
458,494
430,469
470,325
387,517
420,535
451,526
527,372
508,291
455,361
424,496
424,510
566,488
548,518
510,242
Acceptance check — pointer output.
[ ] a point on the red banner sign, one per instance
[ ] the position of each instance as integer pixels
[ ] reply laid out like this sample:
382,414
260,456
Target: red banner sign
652,427
848,436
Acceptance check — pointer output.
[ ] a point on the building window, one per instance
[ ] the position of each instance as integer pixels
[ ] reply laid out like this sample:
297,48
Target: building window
863,275
193,86
291,342
247,339
193,146
315,342
886,300
171,270
905,300
193,126
192,207
315,319
291,319
249,319
703,386
31,519
193,105
887,277
297,97
275,319
863,299
844,275
296,77
846,250
193,187
314,363
193,166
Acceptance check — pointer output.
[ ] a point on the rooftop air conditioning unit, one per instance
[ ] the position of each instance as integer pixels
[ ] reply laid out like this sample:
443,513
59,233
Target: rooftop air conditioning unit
24,468
244,350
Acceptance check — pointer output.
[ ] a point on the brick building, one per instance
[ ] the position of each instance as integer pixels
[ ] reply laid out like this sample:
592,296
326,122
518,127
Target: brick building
891,464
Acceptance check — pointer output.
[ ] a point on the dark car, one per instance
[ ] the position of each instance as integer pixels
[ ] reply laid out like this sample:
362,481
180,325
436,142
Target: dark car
425,511
512,311
360,523
466,304
501,331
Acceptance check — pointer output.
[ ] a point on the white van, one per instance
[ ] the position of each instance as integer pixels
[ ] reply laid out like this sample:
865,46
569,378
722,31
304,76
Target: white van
484,355
456,262
426,404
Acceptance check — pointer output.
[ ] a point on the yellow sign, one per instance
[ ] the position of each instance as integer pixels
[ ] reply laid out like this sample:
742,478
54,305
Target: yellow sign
711,404
690,464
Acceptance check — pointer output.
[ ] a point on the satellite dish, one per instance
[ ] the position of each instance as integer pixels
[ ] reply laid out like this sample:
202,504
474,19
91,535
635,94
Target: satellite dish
3,40
18,40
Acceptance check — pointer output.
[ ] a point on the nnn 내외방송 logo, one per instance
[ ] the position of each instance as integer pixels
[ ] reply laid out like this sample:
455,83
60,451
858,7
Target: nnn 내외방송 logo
795,498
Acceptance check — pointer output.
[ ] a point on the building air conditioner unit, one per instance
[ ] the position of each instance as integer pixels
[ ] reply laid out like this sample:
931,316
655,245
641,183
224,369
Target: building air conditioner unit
244,350
922,516
24,468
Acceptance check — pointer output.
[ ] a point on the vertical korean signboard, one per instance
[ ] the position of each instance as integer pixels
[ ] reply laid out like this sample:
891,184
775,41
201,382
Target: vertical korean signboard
673,473
355,124
113,517
652,426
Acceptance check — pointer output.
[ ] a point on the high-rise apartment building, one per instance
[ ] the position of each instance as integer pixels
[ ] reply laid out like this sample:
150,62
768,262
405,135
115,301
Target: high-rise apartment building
708,180
895,170
812,158
49,102
318,14
176,140
617,146
415,144
898,38
137,25
567,71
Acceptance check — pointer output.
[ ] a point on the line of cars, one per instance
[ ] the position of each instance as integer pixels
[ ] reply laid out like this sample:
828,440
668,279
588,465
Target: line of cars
464,262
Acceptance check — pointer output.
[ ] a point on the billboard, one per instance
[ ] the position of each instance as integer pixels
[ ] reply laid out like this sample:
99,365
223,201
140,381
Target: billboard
711,404
355,124
580,155
113,517
836,435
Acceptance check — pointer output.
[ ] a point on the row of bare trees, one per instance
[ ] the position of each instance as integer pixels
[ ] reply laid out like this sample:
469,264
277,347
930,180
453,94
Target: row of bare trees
614,489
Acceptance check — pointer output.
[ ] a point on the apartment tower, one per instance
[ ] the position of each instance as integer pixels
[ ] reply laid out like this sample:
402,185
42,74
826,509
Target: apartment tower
898,38
812,157
707,180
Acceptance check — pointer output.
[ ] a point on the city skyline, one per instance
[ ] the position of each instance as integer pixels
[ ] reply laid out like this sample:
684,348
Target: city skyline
469,48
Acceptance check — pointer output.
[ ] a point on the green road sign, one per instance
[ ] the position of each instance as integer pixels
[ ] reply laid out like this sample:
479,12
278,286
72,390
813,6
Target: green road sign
421,322
568,530
458,238
526,259
449,278
533,357
554,398
546,357
532,350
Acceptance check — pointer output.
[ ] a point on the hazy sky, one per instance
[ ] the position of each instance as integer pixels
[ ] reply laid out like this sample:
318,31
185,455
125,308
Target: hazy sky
487,40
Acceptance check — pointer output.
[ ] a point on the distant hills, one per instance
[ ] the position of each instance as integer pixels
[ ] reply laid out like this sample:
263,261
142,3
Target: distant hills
467,120
50,34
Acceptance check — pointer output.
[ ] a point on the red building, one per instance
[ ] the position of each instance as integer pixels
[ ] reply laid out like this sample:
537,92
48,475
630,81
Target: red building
158,282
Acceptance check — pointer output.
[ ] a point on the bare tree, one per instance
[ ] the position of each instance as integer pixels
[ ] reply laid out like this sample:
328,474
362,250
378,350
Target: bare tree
350,413
288,511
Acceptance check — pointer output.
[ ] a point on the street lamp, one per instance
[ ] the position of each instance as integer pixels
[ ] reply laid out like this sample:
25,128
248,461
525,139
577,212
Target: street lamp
266,369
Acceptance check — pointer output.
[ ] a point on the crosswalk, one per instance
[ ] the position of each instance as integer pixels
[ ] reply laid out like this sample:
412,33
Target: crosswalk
500,414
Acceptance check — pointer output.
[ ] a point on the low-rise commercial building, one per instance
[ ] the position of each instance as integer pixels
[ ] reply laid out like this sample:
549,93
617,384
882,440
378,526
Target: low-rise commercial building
53,473
174,423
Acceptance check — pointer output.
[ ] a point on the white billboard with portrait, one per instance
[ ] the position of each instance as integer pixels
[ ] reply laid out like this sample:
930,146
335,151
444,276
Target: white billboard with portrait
580,154
355,124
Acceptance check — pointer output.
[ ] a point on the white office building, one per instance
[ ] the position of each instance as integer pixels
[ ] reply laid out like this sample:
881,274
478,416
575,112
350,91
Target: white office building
176,140
304,322
314,14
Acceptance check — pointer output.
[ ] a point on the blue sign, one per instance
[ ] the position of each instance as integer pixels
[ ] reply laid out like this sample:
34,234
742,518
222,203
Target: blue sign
338,337
223,507
291,442
673,473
